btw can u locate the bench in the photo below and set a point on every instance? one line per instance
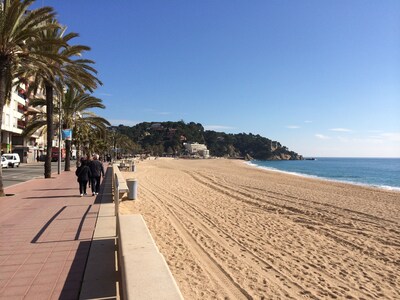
(126, 165)
(144, 271)
(119, 182)
(119, 185)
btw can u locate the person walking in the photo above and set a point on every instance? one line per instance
(97, 169)
(84, 174)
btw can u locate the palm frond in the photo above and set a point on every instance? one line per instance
(34, 126)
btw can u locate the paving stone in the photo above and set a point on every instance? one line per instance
(46, 232)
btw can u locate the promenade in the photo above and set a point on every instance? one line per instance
(46, 232)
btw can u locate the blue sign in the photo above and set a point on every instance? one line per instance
(66, 134)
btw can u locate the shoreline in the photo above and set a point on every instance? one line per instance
(227, 229)
(366, 185)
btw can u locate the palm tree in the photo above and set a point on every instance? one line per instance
(76, 116)
(87, 139)
(74, 106)
(19, 36)
(120, 143)
(66, 70)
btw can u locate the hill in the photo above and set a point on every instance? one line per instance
(169, 137)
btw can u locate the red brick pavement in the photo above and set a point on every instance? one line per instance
(45, 234)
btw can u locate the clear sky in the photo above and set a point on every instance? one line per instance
(321, 77)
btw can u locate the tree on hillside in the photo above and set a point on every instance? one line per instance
(20, 35)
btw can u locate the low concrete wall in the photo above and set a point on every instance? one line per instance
(144, 272)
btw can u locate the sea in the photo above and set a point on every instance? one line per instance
(381, 173)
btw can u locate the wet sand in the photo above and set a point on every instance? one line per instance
(232, 231)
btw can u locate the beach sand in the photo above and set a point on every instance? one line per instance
(232, 231)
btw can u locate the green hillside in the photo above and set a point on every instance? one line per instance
(160, 138)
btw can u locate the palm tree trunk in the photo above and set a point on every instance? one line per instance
(50, 129)
(3, 72)
(67, 155)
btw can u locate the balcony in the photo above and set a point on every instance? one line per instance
(21, 124)
(21, 108)
(22, 93)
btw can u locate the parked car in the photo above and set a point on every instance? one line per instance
(4, 162)
(12, 158)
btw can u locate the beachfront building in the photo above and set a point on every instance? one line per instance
(15, 116)
(197, 149)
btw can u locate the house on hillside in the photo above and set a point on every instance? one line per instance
(197, 149)
(157, 126)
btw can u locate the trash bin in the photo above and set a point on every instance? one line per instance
(132, 186)
(133, 167)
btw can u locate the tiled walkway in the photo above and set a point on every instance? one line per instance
(45, 235)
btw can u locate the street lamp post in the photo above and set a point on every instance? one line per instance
(59, 136)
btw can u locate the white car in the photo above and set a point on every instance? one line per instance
(4, 162)
(12, 158)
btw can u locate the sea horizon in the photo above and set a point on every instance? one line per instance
(374, 157)
(376, 172)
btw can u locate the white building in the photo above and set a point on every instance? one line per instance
(197, 149)
(14, 121)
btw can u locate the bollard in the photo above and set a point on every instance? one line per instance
(133, 167)
(132, 186)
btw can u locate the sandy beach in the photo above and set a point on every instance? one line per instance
(232, 231)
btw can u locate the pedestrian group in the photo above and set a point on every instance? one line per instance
(90, 171)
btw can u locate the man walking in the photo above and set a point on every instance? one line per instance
(97, 170)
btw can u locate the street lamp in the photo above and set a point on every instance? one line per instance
(114, 140)
(59, 135)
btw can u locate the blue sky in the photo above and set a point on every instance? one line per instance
(321, 77)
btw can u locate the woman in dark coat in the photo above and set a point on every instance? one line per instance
(83, 172)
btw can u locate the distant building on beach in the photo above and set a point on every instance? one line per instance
(197, 149)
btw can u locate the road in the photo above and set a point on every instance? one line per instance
(27, 172)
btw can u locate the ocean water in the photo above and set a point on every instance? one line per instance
(376, 172)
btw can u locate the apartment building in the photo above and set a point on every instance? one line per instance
(15, 116)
